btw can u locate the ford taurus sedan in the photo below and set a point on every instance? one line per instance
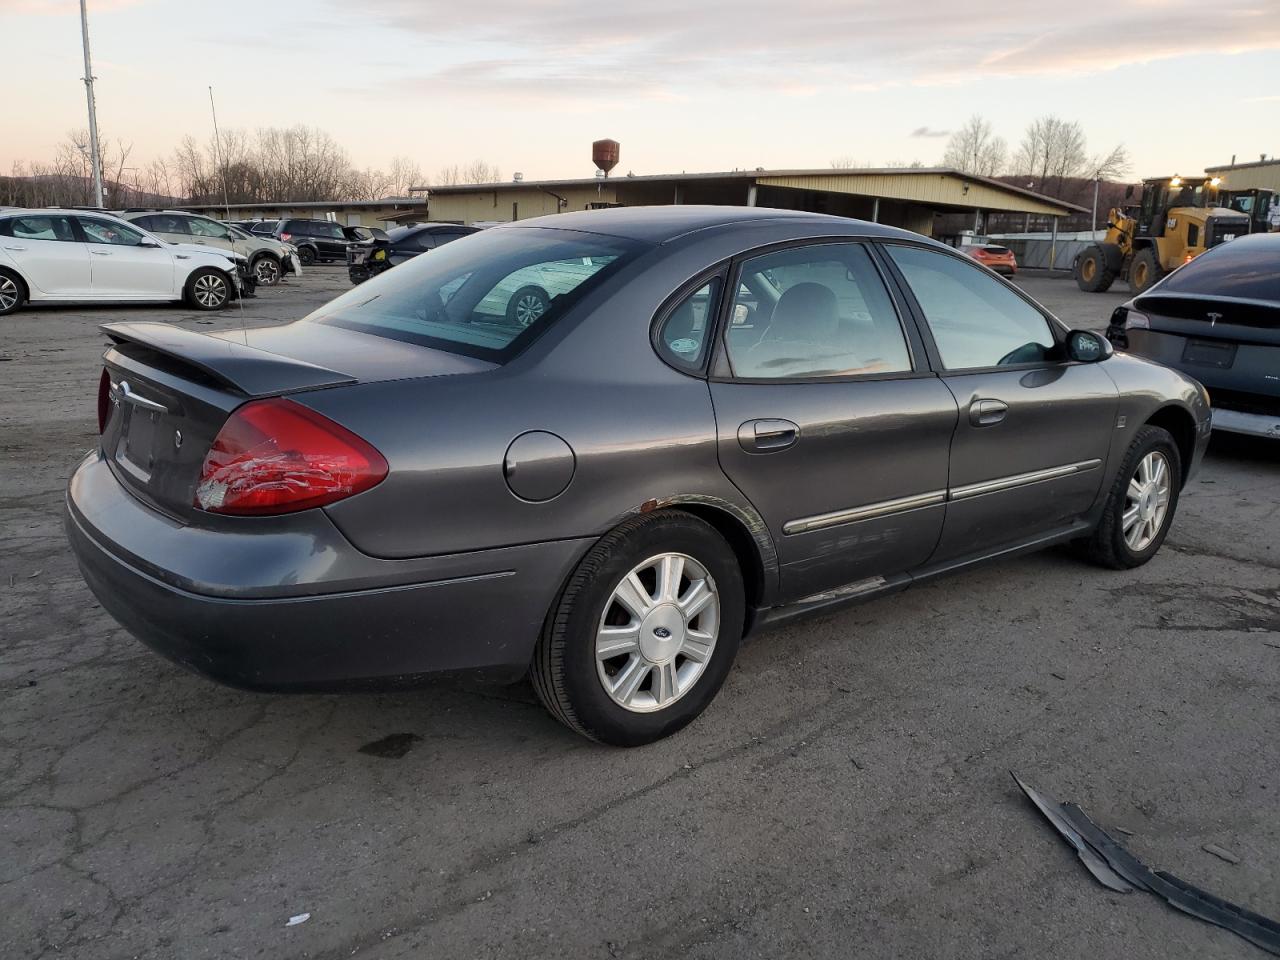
(724, 418)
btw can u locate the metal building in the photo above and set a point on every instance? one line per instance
(906, 197)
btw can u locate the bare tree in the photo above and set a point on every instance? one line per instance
(405, 175)
(846, 162)
(975, 149)
(1110, 166)
(1052, 150)
(477, 171)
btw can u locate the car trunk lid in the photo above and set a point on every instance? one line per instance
(170, 390)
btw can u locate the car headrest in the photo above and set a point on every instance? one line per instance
(807, 311)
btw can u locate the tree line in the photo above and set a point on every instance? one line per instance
(272, 164)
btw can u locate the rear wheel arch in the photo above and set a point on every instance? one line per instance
(746, 547)
(1182, 427)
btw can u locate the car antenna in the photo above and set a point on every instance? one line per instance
(226, 203)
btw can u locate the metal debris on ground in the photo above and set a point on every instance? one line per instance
(300, 918)
(1222, 853)
(1118, 864)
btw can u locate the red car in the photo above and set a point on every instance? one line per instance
(999, 259)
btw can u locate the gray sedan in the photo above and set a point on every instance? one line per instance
(724, 418)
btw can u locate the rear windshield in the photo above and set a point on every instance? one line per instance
(1248, 268)
(488, 295)
(996, 249)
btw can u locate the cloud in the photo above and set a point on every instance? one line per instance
(929, 132)
(590, 52)
(60, 8)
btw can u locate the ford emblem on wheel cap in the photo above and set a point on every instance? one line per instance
(662, 633)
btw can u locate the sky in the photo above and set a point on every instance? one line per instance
(684, 85)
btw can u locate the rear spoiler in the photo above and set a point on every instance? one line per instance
(254, 372)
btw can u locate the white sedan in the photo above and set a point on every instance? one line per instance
(76, 255)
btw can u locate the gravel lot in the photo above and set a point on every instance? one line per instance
(847, 794)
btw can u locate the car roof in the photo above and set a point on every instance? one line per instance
(59, 212)
(660, 224)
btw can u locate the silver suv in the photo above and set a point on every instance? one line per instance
(269, 259)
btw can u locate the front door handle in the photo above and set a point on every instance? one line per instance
(15, 248)
(101, 253)
(767, 436)
(985, 413)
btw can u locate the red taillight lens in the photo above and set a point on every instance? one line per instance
(277, 456)
(104, 400)
(286, 237)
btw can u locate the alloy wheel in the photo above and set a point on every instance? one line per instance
(657, 633)
(529, 308)
(1147, 501)
(8, 293)
(210, 291)
(267, 272)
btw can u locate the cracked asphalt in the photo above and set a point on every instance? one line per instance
(846, 794)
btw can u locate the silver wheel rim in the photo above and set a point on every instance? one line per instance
(529, 308)
(267, 272)
(657, 633)
(210, 291)
(1146, 501)
(8, 293)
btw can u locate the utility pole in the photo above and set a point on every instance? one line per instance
(93, 109)
(1093, 224)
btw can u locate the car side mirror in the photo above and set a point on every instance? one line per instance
(1085, 346)
(1128, 191)
(147, 242)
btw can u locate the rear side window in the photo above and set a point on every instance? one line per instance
(686, 332)
(42, 228)
(976, 321)
(163, 223)
(487, 299)
(1248, 268)
(814, 311)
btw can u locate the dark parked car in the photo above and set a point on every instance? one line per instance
(1217, 319)
(264, 228)
(724, 419)
(398, 245)
(316, 240)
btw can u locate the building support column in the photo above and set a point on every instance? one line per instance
(977, 222)
(875, 210)
(677, 195)
(751, 195)
(1053, 243)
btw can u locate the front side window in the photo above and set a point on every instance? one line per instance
(814, 311)
(208, 228)
(107, 231)
(976, 320)
(485, 299)
(686, 332)
(42, 228)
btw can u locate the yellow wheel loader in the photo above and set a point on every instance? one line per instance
(1177, 220)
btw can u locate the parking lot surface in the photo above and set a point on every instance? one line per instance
(847, 794)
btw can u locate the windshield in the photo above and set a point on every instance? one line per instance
(1248, 268)
(487, 295)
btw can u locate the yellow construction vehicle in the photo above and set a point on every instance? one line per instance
(1176, 221)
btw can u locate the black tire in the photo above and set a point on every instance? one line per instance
(1144, 271)
(208, 288)
(1091, 270)
(527, 304)
(1107, 545)
(564, 670)
(307, 255)
(13, 292)
(267, 270)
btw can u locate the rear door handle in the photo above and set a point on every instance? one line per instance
(767, 436)
(985, 413)
(15, 248)
(101, 253)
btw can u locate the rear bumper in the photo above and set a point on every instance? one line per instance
(293, 606)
